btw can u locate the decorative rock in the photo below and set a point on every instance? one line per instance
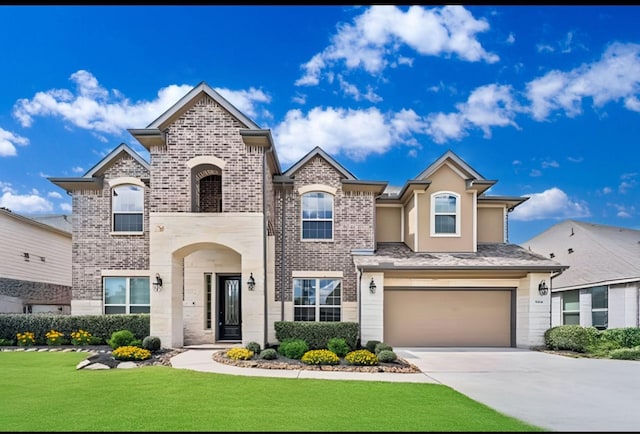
(96, 366)
(83, 363)
(127, 365)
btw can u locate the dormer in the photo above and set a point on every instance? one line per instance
(444, 209)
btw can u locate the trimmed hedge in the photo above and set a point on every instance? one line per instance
(317, 334)
(101, 326)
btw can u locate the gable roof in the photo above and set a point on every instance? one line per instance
(449, 156)
(61, 225)
(92, 179)
(596, 254)
(317, 151)
(152, 135)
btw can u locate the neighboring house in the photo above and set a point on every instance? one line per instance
(217, 242)
(601, 288)
(35, 263)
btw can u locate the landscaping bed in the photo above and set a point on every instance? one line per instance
(400, 366)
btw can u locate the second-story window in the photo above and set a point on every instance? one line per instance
(127, 208)
(445, 214)
(317, 216)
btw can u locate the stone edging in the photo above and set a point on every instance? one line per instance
(401, 366)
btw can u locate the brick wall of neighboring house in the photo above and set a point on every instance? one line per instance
(206, 129)
(94, 248)
(35, 292)
(353, 229)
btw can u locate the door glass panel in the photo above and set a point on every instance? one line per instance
(231, 298)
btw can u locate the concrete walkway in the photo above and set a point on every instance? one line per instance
(201, 360)
(550, 391)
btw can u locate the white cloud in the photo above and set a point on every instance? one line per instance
(487, 106)
(575, 159)
(94, 108)
(552, 163)
(77, 169)
(552, 203)
(66, 207)
(511, 39)
(8, 142)
(616, 76)
(26, 203)
(54, 194)
(628, 182)
(535, 173)
(353, 133)
(374, 39)
(245, 100)
(606, 190)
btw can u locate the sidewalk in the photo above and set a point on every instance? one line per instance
(201, 360)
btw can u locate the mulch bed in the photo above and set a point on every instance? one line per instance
(400, 366)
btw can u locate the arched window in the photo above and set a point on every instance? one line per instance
(206, 188)
(317, 216)
(127, 207)
(445, 214)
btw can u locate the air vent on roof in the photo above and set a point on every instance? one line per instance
(552, 255)
(570, 250)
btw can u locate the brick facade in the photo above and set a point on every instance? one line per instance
(353, 220)
(93, 245)
(206, 129)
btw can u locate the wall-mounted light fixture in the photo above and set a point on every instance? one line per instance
(543, 288)
(251, 283)
(372, 286)
(157, 285)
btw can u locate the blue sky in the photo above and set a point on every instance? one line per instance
(543, 99)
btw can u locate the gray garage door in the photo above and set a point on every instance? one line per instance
(451, 318)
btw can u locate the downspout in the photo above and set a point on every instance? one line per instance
(264, 239)
(359, 293)
(282, 255)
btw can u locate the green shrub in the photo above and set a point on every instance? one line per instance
(151, 343)
(121, 338)
(294, 348)
(317, 334)
(387, 356)
(625, 354)
(240, 354)
(626, 337)
(100, 326)
(571, 337)
(320, 357)
(6, 342)
(382, 347)
(269, 354)
(128, 352)
(254, 346)
(371, 345)
(339, 346)
(361, 358)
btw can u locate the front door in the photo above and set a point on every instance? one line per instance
(229, 318)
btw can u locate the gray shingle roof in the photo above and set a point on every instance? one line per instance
(490, 256)
(600, 254)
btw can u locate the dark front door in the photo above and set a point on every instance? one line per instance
(229, 318)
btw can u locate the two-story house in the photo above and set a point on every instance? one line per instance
(35, 263)
(217, 242)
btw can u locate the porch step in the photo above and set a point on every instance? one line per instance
(213, 346)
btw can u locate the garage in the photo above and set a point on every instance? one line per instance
(448, 318)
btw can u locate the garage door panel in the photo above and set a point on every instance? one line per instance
(447, 318)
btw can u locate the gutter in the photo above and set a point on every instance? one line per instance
(264, 240)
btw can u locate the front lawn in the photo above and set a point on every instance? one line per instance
(42, 391)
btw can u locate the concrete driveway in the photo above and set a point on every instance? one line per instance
(555, 392)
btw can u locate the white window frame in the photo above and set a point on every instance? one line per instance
(564, 293)
(318, 298)
(603, 309)
(140, 212)
(127, 304)
(433, 214)
(302, 219)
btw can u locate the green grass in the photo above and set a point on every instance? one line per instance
(42, 391)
